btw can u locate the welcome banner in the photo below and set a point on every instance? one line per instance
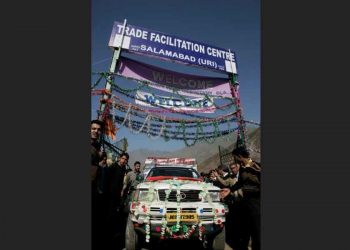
(203, 105)
(197, 85)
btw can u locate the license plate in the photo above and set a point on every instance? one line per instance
(188, 217)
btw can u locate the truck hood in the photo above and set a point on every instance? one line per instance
(183, 184)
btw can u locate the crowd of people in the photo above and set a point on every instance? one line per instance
(112, 185)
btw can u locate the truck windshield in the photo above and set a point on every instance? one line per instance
(173, 171)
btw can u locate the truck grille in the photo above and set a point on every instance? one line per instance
(155, 209)
(186, 195)
(183, 210)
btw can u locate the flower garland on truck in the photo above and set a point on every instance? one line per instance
(175, 184)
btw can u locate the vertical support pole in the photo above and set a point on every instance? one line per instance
(241, 136)
(104, 107)
(241, 139)
(105, 101)
(220, 156)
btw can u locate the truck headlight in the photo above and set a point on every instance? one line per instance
(213, 197)
(146, 196)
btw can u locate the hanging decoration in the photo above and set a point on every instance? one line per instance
(138, 127)
(123, 106)
(120, 119)
(150, 125)
(110, 128)
(147, 86)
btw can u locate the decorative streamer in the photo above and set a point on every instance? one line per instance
(155, 128)
(184, 137)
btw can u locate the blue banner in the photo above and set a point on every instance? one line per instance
(156, 44)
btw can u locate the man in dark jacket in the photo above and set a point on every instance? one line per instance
(249, 183)
(115, 186)
(96, 130)
(116, 179)
(96, 219)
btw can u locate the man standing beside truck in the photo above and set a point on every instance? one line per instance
(249, 183)
(132, 179)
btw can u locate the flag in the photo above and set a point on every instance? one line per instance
(110, 128)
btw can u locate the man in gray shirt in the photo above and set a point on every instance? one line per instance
(131, 180)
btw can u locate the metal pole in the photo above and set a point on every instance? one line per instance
(220, 155)
(104, 108)
(235, 93)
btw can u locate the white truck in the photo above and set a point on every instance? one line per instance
(175, 203)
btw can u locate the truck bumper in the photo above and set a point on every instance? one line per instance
(210, 230)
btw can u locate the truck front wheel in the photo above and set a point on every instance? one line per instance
(218, 243)
(131, 237)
